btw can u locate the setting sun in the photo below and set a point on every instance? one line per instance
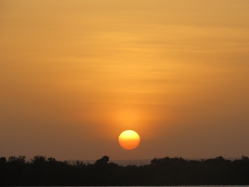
(129, 139)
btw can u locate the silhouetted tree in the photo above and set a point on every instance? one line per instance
(3, 160)
(161, 171)
(102, 161)
(39, 160)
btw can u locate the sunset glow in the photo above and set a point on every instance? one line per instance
(75, 74)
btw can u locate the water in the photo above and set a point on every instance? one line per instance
(172, 186)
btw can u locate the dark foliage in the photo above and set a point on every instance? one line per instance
(161, 171)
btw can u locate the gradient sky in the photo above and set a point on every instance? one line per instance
(75, 74)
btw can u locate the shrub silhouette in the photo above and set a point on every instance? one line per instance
(161, 171)
(102, 162)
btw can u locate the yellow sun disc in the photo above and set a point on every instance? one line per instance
(129, 139)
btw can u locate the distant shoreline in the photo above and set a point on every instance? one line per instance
(42, 171)
(140, 162)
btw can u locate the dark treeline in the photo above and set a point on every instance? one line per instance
(161, 171)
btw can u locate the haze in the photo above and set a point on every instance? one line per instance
(75, 74)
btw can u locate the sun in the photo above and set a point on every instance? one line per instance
(129, 139)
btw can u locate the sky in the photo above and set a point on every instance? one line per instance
(75, 74)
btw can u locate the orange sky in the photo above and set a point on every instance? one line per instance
(75, 74)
